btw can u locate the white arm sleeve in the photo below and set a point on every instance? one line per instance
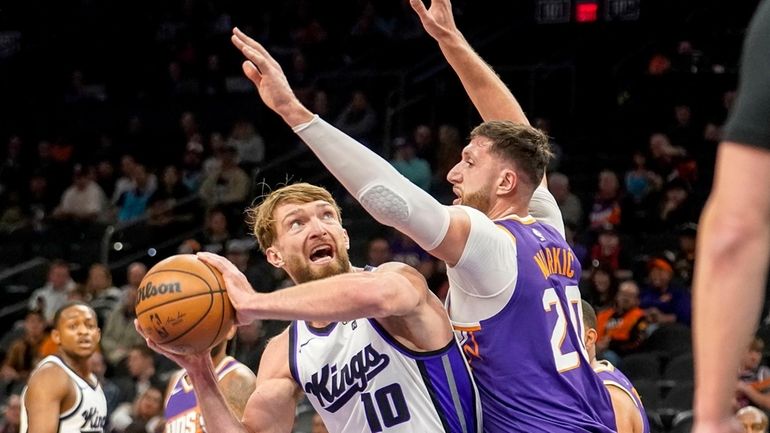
(483, 280)
(544, 208)
(387, 195)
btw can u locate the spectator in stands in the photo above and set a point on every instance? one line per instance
(119, 334)
(424, 144)
(11, 414)
(248, 143)
(227, 186)
(752, 420)
(38, 202)
(142, 415)
(569, 203)
(132, 204)
(406, 162)
(217, 144)
(104, 297)
(754, 377)
(358, 119)
(165, 209)
(640, 184)
(684, 258)
(111, 391)
(192, 163)
(665, 156)
(105, 176)
(24, 352)
(250, 342)
(378, 251)
(602, 287)
(214, 236)
(258, 272)
(608, 252)
(448, 151)
(83, 201)
(142, 373)
(127, 181)
(664, 302)
(606, 206)
(675, 207)
(622, 328)
(53, 294)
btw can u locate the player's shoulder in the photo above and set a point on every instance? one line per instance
(49, 378)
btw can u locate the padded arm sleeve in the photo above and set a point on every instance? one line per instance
(387, 195)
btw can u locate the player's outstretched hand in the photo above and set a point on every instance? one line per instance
(239, 289)
(273, 87)
(437, 20)
(188, 362)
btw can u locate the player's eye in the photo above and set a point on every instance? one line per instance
(295, 225)
(328, 215)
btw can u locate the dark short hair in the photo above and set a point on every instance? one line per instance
(66, 306)
(589, 315)
(525, 146)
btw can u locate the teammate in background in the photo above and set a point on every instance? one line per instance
(63, 395)
(513, 280)
(236, 381)
(752, 420)
(630, 415)
(733, 247)
(371, 350)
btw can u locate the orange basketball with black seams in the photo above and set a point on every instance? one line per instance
(182, 305)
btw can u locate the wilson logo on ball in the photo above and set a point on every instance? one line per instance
(151, 290)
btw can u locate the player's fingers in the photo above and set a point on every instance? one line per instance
(251, 43)
(139, 329)
(419, 7)
(252, 72)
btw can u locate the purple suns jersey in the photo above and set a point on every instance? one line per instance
(360, 379)
(181, 410)
(611, 376)
(528, 359)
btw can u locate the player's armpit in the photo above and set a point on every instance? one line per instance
(627, 416)
(237, 386)
(49, 390)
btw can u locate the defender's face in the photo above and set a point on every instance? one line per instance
(77, 332)
(310, 243)
(473, 178)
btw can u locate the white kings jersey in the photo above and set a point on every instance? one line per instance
(361, 379)
(87, 415)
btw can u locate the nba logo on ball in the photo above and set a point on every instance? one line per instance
(182, 305)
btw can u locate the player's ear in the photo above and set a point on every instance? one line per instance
(55, 336)
(231, 333)
(590, 337)
(347, 239)
(274, 257)
(507, 181)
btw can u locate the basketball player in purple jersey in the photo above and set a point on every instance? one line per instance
(513, 293)
(630, 415)
(236, 381)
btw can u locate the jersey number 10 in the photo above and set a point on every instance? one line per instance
(569, 360)
(391, 406)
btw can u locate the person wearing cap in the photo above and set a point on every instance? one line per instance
(752, 420)
(664, 302)
(406, 162)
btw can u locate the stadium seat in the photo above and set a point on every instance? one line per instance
(679, 369)
(642, 366)
(682, 422)
(671, 340)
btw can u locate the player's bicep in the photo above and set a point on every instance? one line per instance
(627, 416)
(45, 393)
(271, 407)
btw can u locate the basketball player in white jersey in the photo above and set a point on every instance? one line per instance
(63, 395)
(236, 381)
(373, 350)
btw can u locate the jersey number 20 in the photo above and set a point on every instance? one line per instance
(569, 360)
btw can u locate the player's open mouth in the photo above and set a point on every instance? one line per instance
(322, 254)
(459, 195)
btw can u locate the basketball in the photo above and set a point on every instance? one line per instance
(182, 305)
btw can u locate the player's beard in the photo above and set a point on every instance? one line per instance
(478, 200)
(303, 273)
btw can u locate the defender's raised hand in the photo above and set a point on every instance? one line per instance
(438, 20)
(272, 85)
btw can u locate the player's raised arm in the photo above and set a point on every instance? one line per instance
(489, 94)
(387, 195)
